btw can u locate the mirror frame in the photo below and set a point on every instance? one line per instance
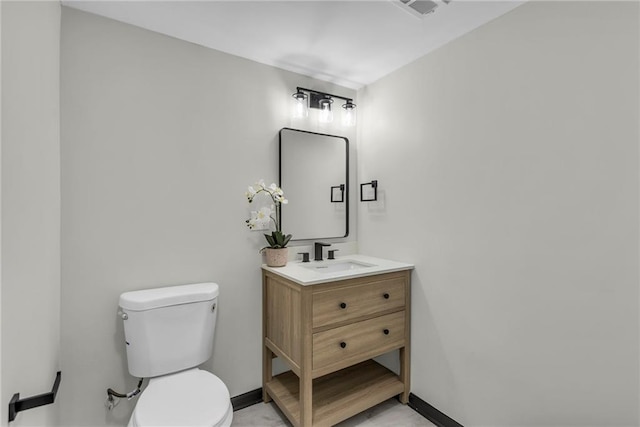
(348, 197)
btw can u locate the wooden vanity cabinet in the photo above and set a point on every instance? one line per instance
(327, 334)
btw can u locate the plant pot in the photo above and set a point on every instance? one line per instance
(277, 257)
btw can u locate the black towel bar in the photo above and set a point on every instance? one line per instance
(374, 187)
(17, 405)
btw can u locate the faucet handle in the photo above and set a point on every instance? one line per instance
(305, 256)
(332, 253)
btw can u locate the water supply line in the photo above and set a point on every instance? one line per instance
(113, 397)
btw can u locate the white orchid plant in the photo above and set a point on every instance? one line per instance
(277, 239)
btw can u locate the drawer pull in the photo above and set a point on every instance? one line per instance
(343, 305)
(343, 344)
(386, 332)
(386, 296)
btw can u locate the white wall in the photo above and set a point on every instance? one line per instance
(30, 205)
(160, 139)
(508, 163)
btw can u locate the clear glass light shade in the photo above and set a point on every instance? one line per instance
(349, 115)
(325, 115)
(299, 108)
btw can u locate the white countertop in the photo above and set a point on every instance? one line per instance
(303, 273)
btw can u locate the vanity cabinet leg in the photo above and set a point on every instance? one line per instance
(404, 374)
(405, 352)
(267, 355)
(306, 401)
(267, 372)
(306, 351)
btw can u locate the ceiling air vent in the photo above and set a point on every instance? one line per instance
(419, 8)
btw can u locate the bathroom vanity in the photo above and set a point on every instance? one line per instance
(327, 321)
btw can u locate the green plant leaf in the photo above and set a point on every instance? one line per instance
(270, 240)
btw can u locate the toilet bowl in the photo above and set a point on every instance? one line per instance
(190, 398)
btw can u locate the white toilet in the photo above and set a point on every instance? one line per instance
(169, 332)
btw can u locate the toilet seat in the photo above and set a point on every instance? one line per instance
(189, 398)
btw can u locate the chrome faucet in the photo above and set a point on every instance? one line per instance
(318, 250)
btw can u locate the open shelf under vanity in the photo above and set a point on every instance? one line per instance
(338, 395)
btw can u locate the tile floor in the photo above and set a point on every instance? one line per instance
(387, 414)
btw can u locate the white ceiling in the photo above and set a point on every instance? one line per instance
(350, 43)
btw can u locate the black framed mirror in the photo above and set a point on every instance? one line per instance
(314, 175)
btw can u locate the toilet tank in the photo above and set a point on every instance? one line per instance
(169, 329)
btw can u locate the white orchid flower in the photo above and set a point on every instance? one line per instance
(261, 219)
(263, 215)
(250, 194)
(279, 198)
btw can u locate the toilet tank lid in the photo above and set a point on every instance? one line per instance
(148, 299)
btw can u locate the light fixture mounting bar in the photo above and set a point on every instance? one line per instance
(315, 96)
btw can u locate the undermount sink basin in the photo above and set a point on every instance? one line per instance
(334, 267)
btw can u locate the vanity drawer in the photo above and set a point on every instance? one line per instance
(342, 304)
(358, 341)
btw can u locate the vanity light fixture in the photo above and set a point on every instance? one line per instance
(309, 98)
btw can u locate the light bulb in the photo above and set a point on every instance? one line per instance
(300, 109)
(326, 115)
(349, 116)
